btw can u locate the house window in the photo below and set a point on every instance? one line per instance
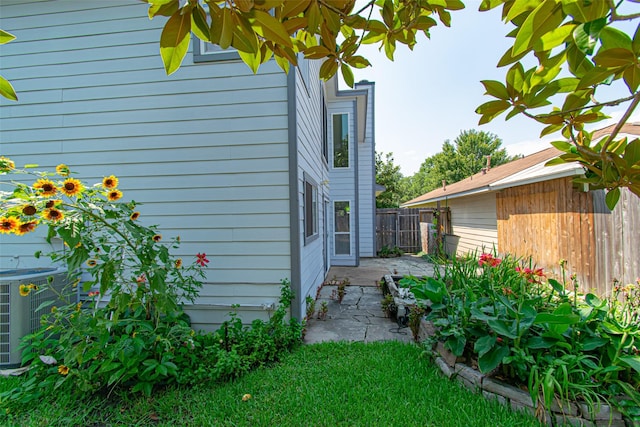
(325, 143)
(207, 52)
(310, 211)
(342, 228)
(340, 140)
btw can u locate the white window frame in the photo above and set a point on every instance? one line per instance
(336, 232)
(333, 145)
(311, 213)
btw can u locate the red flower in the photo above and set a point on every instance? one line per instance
(202, 260)
(488, 259)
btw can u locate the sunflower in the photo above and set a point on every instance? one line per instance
(63, 369)
(53, 214)
(8, 224)
(157, 237)
(29, 210)
(24, 290)
(6, 165)
(114, 195)
(92, 262)
(134, 216)
(110, 182)
(62, 170)
(47, 187)
(179, 263)
(72, 187)
(52, 203)
(26, 227)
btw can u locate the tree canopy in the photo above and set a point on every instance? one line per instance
(562, 52)
(466, 156)
(388, 175)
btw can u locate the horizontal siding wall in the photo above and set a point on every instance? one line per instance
(366, 180)
(473, 218)
(205, 150)
(311, 164)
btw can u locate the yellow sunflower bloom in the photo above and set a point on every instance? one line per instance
(72, 187)
(92, 262)
(157, 237)
(29, 210)
(62, 170)
(8, 224)
(6, 165)
(25, 227)
(24, 290)
(53, 214)
(114, 195)
(63, 369)
(47, 187)
(134, 216)
(110, 182)
(179, 263)
(52, 203)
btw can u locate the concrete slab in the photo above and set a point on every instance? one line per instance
(360, 317)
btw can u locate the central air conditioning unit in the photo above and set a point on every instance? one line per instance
(19, 315)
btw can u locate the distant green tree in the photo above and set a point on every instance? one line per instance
(466, 156)
(389, 175)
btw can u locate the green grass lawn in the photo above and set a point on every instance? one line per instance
(330, 384)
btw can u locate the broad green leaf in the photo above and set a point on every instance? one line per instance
(316, 52)
(578, 62)
(591, 343)
(596, 76)
(174, 40)
(586, 35)
(493, 358)
(358, 61)
(554, 38)
(6, 89)
(611, 38)
(347, 74)
(294, 8)
(545, 18)
(251, 59)
(496, 89)
(315, 17)
(612, 197)
(632, 361)
(328, 69)
(593, 301)
(537, 342)
(636, 40)
(226, 33)
(244, 38)
(270, 28)
(501, 328)
(519, 7)
(515, 78)
(389, 47)
(484, 344)
(456, 344)
(6, 37)
(631, 77)
(632, 153)
(549, 130)
(616, 57)
(199, 24)
(163, 8)
(585, 11)
(562, 145)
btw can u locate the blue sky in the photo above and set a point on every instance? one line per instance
(429, 95)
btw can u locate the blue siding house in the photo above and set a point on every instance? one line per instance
(271, 175)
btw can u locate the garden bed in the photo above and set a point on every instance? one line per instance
(464, 368)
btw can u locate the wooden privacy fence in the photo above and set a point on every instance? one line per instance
(412, 230)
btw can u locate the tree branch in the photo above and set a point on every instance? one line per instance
(621, 122)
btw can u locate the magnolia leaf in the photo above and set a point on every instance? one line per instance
(316, 52)
(331, 19)
(586, 35)
(496, 89)
(586, 11)
(282, 62)
(244, 5)
(632, 153)
(294, 8)
(636, 41)
(6, 37)
(562, 145)
(616, 57)
(546, 17)
(270, 28)
(347, 74)
(389, 47)
(358, 61)
(578, 62)
(515, 77)
(596, 76)
(520, 7)
(508, 58)
(631, 77)
(6, 90)
(554, 38)
(226, 33)
(493, 107)
(244, 38)
(315, 17)
(611, 38)
(328, 69)
(328, 38)
(163, 8)
(612, 197)
(551, 129)
(174, 40)
(199, 24)
(251, 59)
(556, 161)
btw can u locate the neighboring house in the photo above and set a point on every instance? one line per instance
(271, 175)
(527, 209)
